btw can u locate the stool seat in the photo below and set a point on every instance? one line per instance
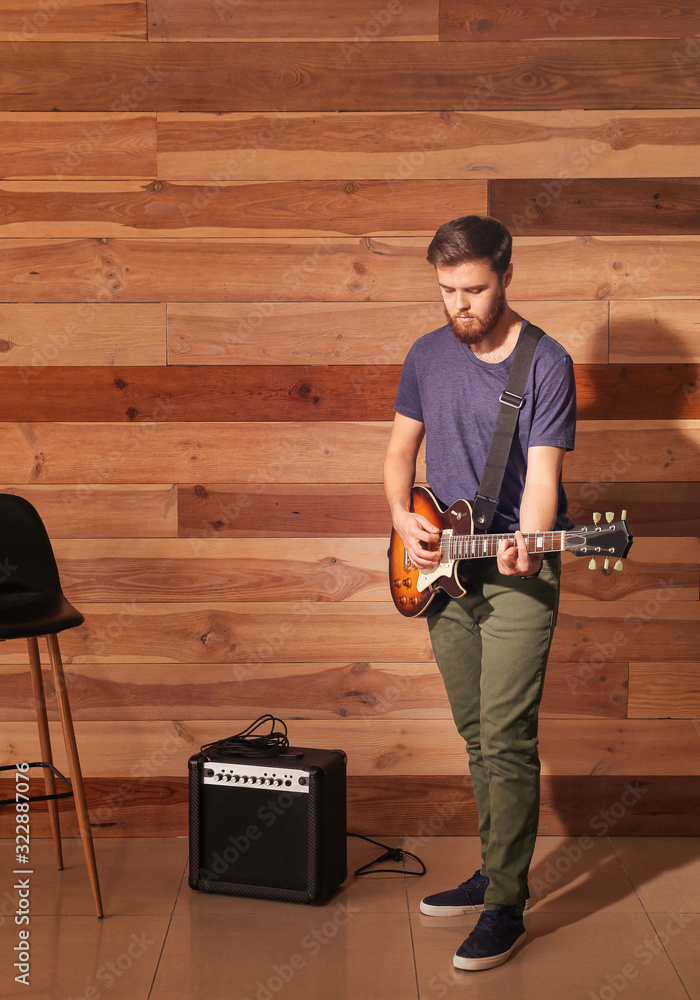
(34, 614)
(32, 604)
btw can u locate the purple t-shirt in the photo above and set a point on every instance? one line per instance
(445, 386)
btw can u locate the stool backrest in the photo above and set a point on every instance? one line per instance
(27, 562)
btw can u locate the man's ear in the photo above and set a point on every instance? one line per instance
(508, 276)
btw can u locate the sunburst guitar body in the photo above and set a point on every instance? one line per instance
(414, 589)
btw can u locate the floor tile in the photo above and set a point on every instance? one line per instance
(665, 871)
(334, 951)
(579, 874)
(597, 957)
(678, 932)
(83, 958)
(137, 875)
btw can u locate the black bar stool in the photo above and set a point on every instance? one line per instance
(32, 605)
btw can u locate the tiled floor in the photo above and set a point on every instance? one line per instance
(610, 917)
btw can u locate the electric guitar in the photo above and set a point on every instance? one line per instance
(413, 589)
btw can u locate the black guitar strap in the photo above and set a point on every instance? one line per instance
(511, 400)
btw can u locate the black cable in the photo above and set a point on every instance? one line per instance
(391, 854)
(247, 744)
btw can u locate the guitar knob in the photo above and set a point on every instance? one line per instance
(407, 582)
(413, 601)
(397, 583)
(403, 599)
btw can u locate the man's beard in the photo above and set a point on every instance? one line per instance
(478, 329)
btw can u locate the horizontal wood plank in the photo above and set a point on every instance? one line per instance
(476, 21)
(85, 510)
(231, 510)
(62, 144)
(314, 76)
(354, 690)
(610, 207)
(670, 509)
(244, 635)
(407, 746)
(412, 144)
(360, 23)
(23, 21)
(289, 392)
(235, 510)
(415, 807)
(336, 333)
(319, 569)
(652, 331)
(37, 336)
(570, 805)
(51, 209)
(303, 453)
(332, 269)
(665, 691)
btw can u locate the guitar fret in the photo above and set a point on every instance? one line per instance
(483, 546)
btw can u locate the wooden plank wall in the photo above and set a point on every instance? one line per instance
(213, 221)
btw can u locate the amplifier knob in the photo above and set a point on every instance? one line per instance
(227, 777)
(217, 777)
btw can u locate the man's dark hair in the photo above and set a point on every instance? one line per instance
(473, 237)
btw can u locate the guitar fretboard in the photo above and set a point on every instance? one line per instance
(454, 547)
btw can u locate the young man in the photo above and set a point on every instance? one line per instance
(491, 645)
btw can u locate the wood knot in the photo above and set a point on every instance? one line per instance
(201, 492)
(120, 383)
(5, 346)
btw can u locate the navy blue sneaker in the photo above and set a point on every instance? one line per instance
(466, 898)
(494, 939)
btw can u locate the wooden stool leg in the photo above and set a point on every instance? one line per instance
(42, 722)
(74, 765)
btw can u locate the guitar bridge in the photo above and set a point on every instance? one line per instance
(445, 549)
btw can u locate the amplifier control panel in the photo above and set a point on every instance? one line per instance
(260, 776)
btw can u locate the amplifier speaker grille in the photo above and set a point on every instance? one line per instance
(272, 827)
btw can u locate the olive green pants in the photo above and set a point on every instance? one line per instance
(491, 647)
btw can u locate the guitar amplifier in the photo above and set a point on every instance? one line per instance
(272, 827)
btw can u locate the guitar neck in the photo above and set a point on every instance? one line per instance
(482, 546)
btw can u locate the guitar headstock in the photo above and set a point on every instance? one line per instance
(609, 539)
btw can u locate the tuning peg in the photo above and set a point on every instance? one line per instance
(606, 564)
(618, 565)
(592, 564)
(609, 516)
(596, 517)
(624, 515)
